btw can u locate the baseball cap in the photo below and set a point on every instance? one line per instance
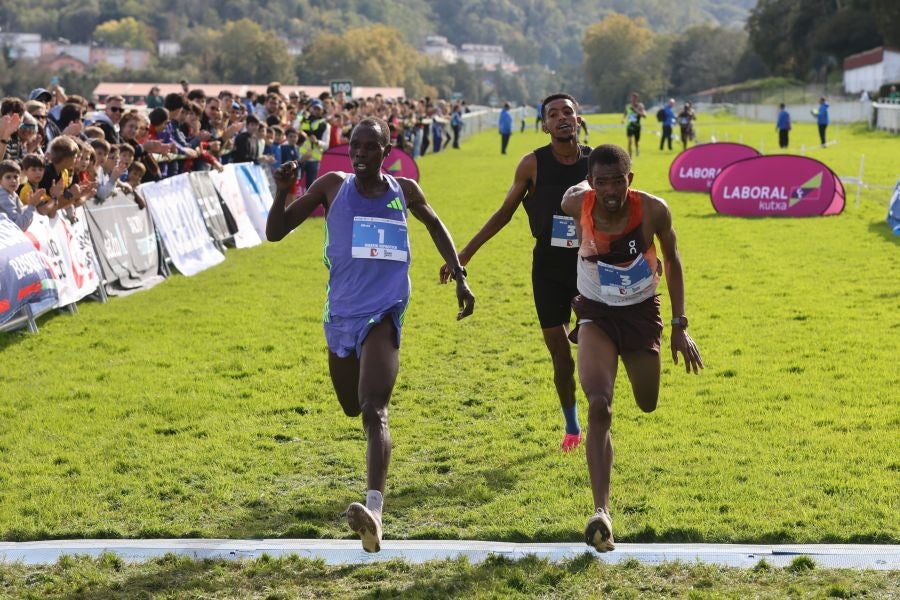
(316, 104)
(38, 93)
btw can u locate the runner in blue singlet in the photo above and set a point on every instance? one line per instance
(367, 254)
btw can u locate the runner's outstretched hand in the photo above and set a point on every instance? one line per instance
(465, 297)
(682, 342)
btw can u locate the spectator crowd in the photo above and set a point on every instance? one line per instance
(60, 150)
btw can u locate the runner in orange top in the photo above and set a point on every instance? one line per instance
(618, 309)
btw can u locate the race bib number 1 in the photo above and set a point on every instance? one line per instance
(563, 233)
(379, 239)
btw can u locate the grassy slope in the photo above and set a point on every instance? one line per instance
(203, 407)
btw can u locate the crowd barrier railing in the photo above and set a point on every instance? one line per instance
(115, 248)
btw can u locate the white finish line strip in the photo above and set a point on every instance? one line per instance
(335, 552)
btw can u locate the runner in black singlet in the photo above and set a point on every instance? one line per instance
(541, 179)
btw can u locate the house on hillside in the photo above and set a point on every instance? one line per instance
(871, 69)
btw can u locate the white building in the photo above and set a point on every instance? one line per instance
(438, 47)
(166, 48)
(871, 69)
(22, 45)
(487, 56)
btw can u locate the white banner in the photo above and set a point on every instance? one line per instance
(180, 224)
(229, 188)
(68, 250)
(257, 197)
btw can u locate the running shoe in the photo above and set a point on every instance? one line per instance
(366, 524)
(571, 441)
(598, 531)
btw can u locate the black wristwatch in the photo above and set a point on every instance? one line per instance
(681, 321)
(455, 273)
(67, 194)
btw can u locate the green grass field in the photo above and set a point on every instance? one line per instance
(203, 407)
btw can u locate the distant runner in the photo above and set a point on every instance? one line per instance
(634, 112)
(367, 255)
(618, 309)
(541, 179)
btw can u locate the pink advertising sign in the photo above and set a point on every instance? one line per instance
(694, 169)
(398, 163)
(779, 185)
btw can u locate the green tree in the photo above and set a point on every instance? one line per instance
(244, 53)
(622, 55)
(705, 56)
(370, 56)
(124, 33)
(888, 12)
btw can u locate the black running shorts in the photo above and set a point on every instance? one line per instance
(554, 285)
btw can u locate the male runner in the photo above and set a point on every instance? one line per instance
(634, 112)
(618, 308)
(367, 255)
(541, 179)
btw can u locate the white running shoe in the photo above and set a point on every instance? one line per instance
(598, 531)
(366, 524)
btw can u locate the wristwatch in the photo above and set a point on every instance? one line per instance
(67, 194)
(681, 321)
(457, 272)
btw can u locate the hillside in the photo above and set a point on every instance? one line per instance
(545, 32)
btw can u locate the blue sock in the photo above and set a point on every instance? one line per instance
(571, 415)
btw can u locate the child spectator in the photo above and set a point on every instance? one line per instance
(58, 182)
(126, 157)
(106, 178)
(33, 169)
(290, 149)
(20, 213)
(135, 175)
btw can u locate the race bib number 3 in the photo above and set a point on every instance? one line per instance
(379, 239)
(625, 281)
(563, 233)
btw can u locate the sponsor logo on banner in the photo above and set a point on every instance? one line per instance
(694, 169)
(398, 163)
(778, 185)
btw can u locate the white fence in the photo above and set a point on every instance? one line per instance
(887, 116)
(839, 112)
(483, 118)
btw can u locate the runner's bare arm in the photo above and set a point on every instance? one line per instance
(419, 207)
(284, 218)
(523, 182)
(680, 340)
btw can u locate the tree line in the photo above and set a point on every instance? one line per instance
(586, 47)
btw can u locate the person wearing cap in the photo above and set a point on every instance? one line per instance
(41, 95)
(318, 132)
(153, 99)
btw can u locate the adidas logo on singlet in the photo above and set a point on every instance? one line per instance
(395, 204)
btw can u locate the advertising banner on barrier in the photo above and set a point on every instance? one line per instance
(211, 206)
(67, 247)
(779, 185)
(180, 224)
(893, 216)
(25, 275)
(398, 163)
(126, 243)
(694, 169)
(255, 190)
(227, 185)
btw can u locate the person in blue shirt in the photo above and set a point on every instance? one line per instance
(822, 119)
(783, 125)
(505, 127)
(667, 123)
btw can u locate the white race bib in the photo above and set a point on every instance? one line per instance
(563, 232)
(379, 239)
(626, 285)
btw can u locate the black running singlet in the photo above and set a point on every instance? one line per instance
(543, 203)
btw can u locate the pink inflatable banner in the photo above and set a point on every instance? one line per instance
(694, 169)
(398, 163)
(779, 185)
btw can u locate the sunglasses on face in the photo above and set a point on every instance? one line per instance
(39, 116)
(115, 109)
